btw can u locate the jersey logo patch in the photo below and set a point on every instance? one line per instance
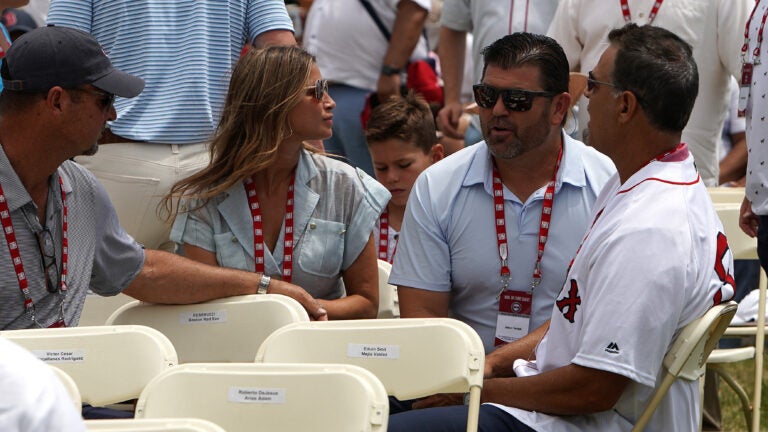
(568, 305)
(612, 348)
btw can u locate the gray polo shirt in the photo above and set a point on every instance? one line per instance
(102, 256)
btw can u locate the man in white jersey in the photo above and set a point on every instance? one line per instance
(653, 260)
(184, 50)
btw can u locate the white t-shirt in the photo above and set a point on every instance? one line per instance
(715, 30)
(348, 45)
(647, 267)
(31, 396)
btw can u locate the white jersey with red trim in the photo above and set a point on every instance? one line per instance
(654, 259)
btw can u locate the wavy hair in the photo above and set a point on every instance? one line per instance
(266, 84)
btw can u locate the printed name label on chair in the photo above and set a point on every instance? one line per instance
(256, 395)
(391, 352)
(60, 356)
(202, 317)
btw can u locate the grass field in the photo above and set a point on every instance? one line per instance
(733, 417)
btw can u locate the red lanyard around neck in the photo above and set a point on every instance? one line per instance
(501, 224)
(384, 238)
(745, 46)
(13, 248)
(258, 229)
(651, 16)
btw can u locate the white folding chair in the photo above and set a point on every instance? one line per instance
(109, 364)
(153, 425)
(274, 397)
(743, 247)
(224, 330)
(389, 306)
(413, 357)
(688, 354)
(69, 386)
(97, 309)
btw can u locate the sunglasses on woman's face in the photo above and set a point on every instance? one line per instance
(318, 90)
(513, 99)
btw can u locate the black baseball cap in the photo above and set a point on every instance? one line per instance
(17, 21)
(60, 56)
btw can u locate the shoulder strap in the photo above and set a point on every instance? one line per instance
(375, 17)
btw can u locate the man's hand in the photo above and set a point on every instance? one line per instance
(448, 120)
(315, 311)
(748, 221)
(388, 86)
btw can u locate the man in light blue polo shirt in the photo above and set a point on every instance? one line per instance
(184, 50)
(463, 254)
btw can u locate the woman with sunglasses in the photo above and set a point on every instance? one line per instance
(270, 203)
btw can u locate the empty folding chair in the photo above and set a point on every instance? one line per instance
(275, 397)
(224, 330)
(109, 364)
(413, 357)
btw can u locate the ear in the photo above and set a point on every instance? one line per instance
(437, 152)
(559, 108)
(56, 98)
(628, 106)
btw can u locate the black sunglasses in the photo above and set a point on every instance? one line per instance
(107, 99)
(51, 270)
(318, 90)
(513, 99)
(592, 82)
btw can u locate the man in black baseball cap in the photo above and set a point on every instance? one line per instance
(59, 56)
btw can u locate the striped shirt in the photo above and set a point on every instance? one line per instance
(184, 50)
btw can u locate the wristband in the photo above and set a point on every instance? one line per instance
(263, 284)
(390, 70)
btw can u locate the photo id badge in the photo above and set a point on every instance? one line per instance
(744, 87)
(514, 316)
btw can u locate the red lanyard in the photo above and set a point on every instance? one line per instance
(258, 233)
(501, 224)
(13, 248)
(384, 238)
(745, 46)
(628, 16)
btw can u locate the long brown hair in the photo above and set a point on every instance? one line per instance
(266, 85)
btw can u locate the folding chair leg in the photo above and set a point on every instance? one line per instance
(746, 404)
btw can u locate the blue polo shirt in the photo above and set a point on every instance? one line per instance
(448, 236)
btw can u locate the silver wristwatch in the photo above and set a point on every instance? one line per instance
(263, 284)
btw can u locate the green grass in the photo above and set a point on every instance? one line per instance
(744, 373)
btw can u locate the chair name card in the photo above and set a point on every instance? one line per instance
(202, 317)
(389, 352)
(256, 395)
(60, 356)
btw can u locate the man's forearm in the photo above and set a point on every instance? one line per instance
(452, 49)
(168, 278)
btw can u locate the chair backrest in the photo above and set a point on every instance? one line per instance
(153, 425)
(224, 330)
(413, 357)
(109, 364)
(389, 306)
(69, 386)
(96, 308)
(687, 357)
(726, 195)
(270, 397)
(742, 245)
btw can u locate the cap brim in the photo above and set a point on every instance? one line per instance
(120, 83)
